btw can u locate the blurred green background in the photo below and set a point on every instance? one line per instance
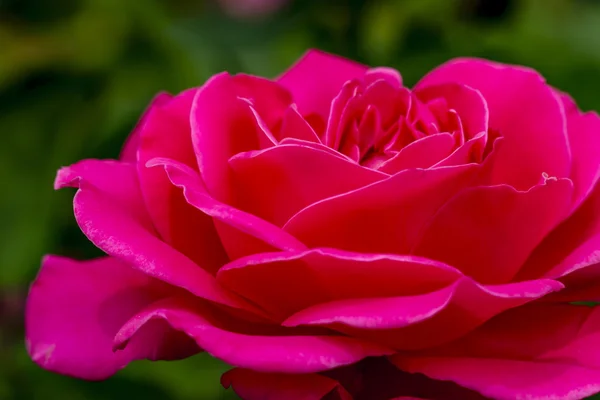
(76, 74)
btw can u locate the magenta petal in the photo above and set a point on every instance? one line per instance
(489, 232)
(317, 78)
(130, 148)
(74, 309)
(552, 354)
(224, 122)
(110, 212)
(468, 103)
(390, 75)
(422, 153)
(421, 321)
(285, 283)
(285, 354)
(316, 146)
(384, 217)
(278, 182)
(525, 111)
(511, 379)
(565, 240)
(166, 133)
(294, 126)
(252, 385)
(242, 222)
(584, 135)
(268, 98)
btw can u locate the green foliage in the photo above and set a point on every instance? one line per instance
(76, 74)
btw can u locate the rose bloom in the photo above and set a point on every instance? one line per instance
(333, 234)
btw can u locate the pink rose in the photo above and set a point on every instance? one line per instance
(333, 233)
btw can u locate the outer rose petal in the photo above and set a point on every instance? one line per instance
(165, 131)
(552, 354)
(74, 310)
(252, 385)
(285, 283)
(241, 233)
(111, 213)
(526, 112)
(285, 354)
(584, 136)
(549, 258)
(317, 78)
(417, 322)
(488, 232)
(278, 182)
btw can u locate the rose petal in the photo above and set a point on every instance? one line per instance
(166, 132)
(584, 134)
(526, 112)
(74, 309)
(566, 239)
(284, 354)
(285, 283)
(468, 103)
(317, 78)
(110, 212)
(277, 182)
(250, 385)
(488, 232)
(224, 122)
(246, 233)
(294, 126)
(471, 151)
(390, 75)
(425, 320)
(384, 217)
(552, 354)
(422, 153)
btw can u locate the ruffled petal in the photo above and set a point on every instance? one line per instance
(422, 153)
(165, 132)
(285, 283)
(317, 78)
(294, 126)
(425, 320)
(384, 217)
(552, 353)
(252, 385)
(468, 103)
(278, 182)
(526, 112)
(568, 238)
(270, 353)
(75, 308)
(110, 211)
(232, 114)
(489, 232)
(584, 135)
(241, 233)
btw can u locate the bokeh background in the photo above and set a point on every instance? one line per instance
(76, 74)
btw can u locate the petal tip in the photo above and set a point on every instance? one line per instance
(66, 177)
